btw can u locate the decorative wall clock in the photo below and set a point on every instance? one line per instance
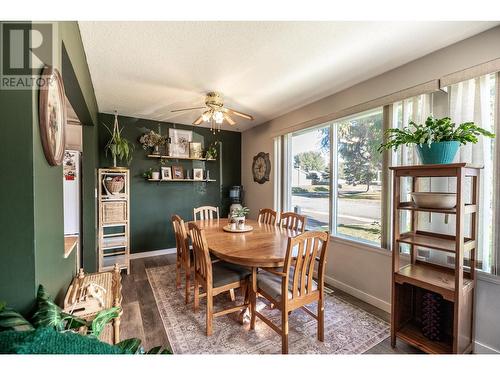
(52, 115)
(261, 167)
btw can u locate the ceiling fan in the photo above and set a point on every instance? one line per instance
(215, 112)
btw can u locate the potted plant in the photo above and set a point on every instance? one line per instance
(238, 215)
(437, 140)
(152, 140)
(211, 151)
(119, 146)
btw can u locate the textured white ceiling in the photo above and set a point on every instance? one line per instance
(147, 69)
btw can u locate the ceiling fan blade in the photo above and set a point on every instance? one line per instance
(229, 120)
(241, 114)
(198, 121)
(186, 109)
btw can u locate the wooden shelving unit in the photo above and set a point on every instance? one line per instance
(410, 280)
(114, 222)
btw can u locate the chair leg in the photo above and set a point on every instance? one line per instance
(321, 320)
(231, 295)
(188, 285)
(284, 331)
(178, 273)
(253, 298)
(210, 311)
(196, 295)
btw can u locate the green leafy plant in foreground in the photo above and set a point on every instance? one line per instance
(433, 131)
(48, 314)
(119, 146)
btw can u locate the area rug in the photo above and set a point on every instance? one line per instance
(348, 329)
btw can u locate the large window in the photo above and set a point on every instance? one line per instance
(345, 199)
(357, 211)
(310, 176)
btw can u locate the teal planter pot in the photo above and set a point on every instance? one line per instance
(438, 153)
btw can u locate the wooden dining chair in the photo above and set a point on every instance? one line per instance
(267, 216)
(293, 286)
(294, 221)
(206, 213)
(183, 260)
(215, 278)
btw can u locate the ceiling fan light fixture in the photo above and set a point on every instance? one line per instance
(206, 115)
(218, 117)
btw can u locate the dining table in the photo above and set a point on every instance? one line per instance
(264, 246)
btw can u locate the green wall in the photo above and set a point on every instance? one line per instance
(31, 192)
(153, 203)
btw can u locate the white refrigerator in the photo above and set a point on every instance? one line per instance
(72, 195)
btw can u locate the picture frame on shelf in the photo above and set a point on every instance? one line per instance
(195, 150)
(166, 173)
(179, 142)
(177, 172)
(198, 174)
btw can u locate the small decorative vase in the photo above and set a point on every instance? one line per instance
(156, 150)
(155, 175)
(438, 153)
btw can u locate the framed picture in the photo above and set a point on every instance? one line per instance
(52, 115)
(197, 174)
(195, 150)
(166, 173)
(180, 140)
(177, 172)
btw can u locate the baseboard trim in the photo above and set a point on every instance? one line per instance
(154, 253)
(363, 296)
(480, 348)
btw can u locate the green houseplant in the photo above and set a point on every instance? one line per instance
(58, 331)
(437, 140)
(211, 151)
(119, 146)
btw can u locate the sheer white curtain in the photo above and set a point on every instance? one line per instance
(473, 100)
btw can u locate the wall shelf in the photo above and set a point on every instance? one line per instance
(177, 158)
(181, 180)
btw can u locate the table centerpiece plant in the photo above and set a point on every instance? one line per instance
(437, 140)
(238, 216)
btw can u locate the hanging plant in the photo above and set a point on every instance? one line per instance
(119, 146)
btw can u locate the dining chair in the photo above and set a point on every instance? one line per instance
(183, 260)
(293, 286)
(267, 216)
(294, 221)
(206, 213)
(215, 278)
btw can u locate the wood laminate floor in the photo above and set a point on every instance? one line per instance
(141, 318)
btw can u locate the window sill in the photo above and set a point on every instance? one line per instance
(360, 245)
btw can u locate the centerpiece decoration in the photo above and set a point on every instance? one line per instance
(437, 140)
(211, 151)
(237, 218)
(152, 141)
(119, 146)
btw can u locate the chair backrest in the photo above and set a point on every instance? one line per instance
(202, 262)
(267, 216)
(301, 255)
(292, 220)
(181, 237)
(206, 213)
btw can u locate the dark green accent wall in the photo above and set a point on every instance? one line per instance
(153, 203)
(17, 259)
(31, 192)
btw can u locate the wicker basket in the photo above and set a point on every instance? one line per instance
(114, 185)
(114, 212)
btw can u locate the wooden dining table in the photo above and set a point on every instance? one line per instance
(264, 246)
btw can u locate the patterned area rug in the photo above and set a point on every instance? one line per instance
(348, 329)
